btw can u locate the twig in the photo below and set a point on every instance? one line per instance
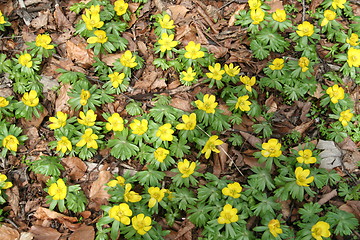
(303, 10)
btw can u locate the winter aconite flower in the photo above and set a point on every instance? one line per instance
(165, 132)
(186, 168)
(189, 122)
(304, 63)
(249, 82)
(115, 123)
(232, 190)
(274, 227)
(167, 42)
(306, 157)
(25, 60)
(166, 22)
(84, 96)
(160, 154)
(131, 196)
(335, 93)
(141, 223)
(353, 40)
(156, 195)
(10, 142)
(121, 213)
(277, 64)
(88, 139)
(43, 40)
(301, 177)
(58, 190)
(231, 70)
(215, 72)
(3, 183)
(338, 4)
(116, 79)
(100, 37)
(257, 16)
(353, 57)
(208, 104)
(254, 4)
(58, 121)
(279, 15)
(120, 7)
(305, 29)
(119, 180)
(30, 98)
(328, 16)
(63, 145)
(345, 117)
(139, 127)
(2, 18)
(87, 119)
(243, 104)
(210, 146)
(92, 18)
(189, 75)
(193, 51)
(3, 102)
(228, 215)
(271, 148)
(128, 60)
(320, 229)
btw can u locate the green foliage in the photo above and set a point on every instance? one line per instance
(46, 165)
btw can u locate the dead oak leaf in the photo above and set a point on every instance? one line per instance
(76, 166)
(98, 195)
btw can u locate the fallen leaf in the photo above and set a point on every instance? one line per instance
(275, 4)
(26, 236)
(44, 213)
(182, 104)
(84, 232)
(76, 167)
(41, 20)
(8, 233)
(351, 160)
(13, 198)
(250, 138)
(159, 83)
(109, 59)
(61, 20)
(76, 51)
(220, 160)
(35, 122)
(98, 195)
(330, 156)
(178, 12)
(304, 126)
(326, 197)
(49, 83)
(348, 144)
(44, 233)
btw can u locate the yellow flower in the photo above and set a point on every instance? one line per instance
(30, 98)
(257, 16)
(271, 148)
(301, 177)
(116, 79)
(63, 145)
(120, 7)
(193, 51)
(58, 190)
(254, 4)
(165, 132)
(141, 223)
(3, 184)
(274, 227)
(128, 60)
(232, 190)
(210, 145)
(306, 157)
(3, 102)
(156, 195)
(215, 72)
(160, 154)
(305, 29)
(335, 93)
(208, 105)
(2, 18)
(353, 57)
(115, 123)
(328, 16)
(58, 121)
(304, 63)
(88, 119)
(89, 139)
(166, 42)
(249, 82)
(10, 142)
(119, 180)
(320, 229)
(338, 4)
(121, 213)
(189, 75)
(189, 122)
(100, 37)
(139, 127)
(92, 18)
(84, 96)
(277, 64)
(25, 60)
(166, 22)
(43, 40)
(228, 215)
(279, 15)
(231, 70)
(186, 168)
(345, 117)
(243, 104)
(353, 40)
(131, 196)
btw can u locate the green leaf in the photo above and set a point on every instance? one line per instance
(343, 222)
(309, 212)
(121, 148)
(179, 148)
(150, 177)
(134, 108)
(199, 214)
(260, 52)
(76, 200)
(47, 165)
(184, 198)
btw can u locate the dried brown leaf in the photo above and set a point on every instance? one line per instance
(41, 20)
(180, 103)
(326, 197)
(250, 138)
(220, 160)
(8, 233)
(275, 4)
(178, 12)
(76, 167)
(84, 232)
(44, 213)
(63, 97)
(13, 198)
(98, 195)
(44, 233)
(76, 51)
(61, 20)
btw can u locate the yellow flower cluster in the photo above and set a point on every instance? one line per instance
(43, 40)
(228, 215)
(58, 190)
(210, 146)
(3, 183)
(272, 148)
(2, 18)
(92, 18)
(25, 60)
(120, 7)
(335, 93)
(11, 143)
